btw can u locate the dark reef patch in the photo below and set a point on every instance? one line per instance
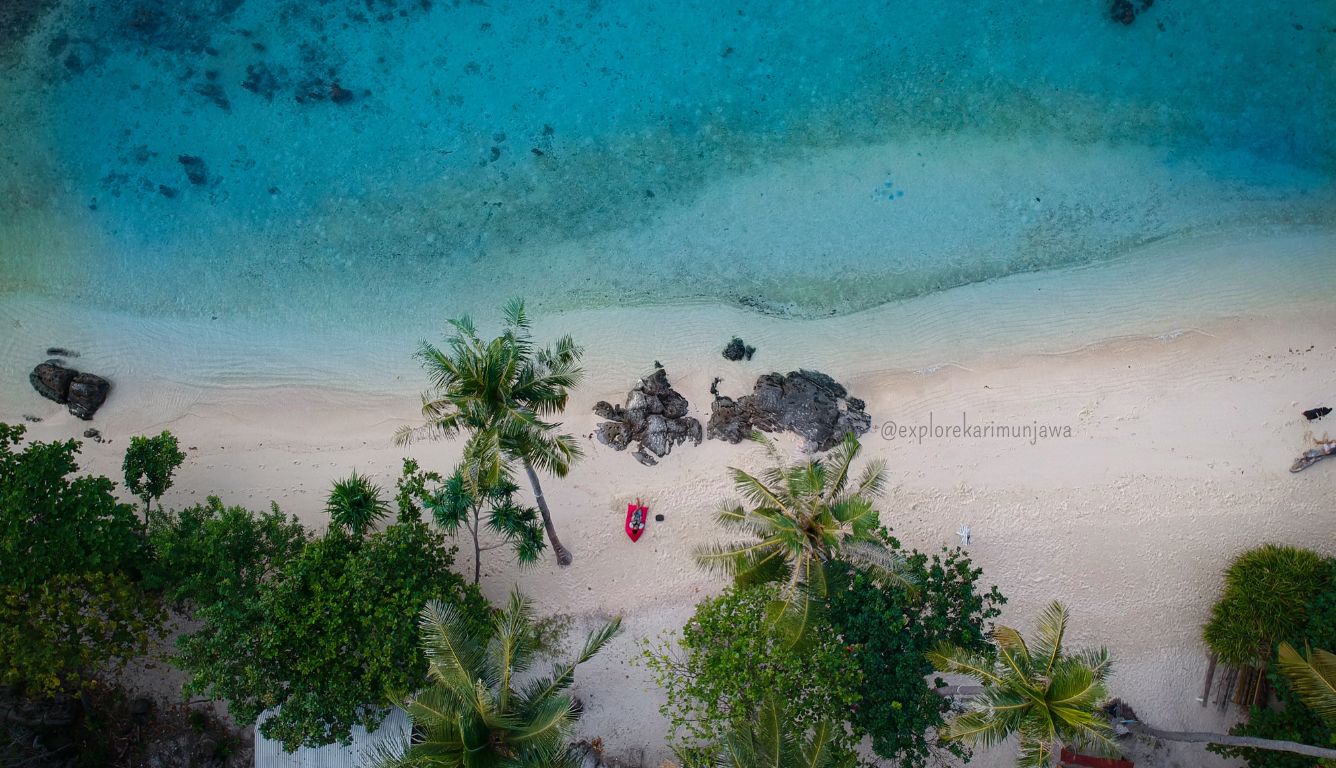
(18, 18)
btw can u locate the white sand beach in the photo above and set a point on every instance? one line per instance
(1183, 409)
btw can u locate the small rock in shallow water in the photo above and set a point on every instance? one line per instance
(737, 350)
(60, 352)
(339, 94)
(196, 170)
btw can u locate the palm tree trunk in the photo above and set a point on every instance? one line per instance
(563, 555)
(477, 549)
(1273, 745)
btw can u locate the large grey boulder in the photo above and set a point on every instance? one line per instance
(655, 415)
(809, 403)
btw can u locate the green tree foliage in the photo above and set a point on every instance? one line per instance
(499, 392)
(70, 600)
(321, 631)
(492, 510)
(355, 504)
(476, 712)
(891, 629)
(730, 658)
(1293, 720)
(802, 517)
(209, 553)
(1039, 692)
(1266, 592)
(149, 464)
(771, 741)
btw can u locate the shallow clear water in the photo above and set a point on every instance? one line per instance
(794, 158)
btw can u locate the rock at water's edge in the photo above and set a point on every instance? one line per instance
(87, 393)
(52, 380)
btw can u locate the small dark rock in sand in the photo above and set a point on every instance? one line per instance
(737, 350)
(1313, 414)
(809, 403)
(52, 380)
(31, 418)
(87, 393)
(196, 170)
(60, 352)
(655, 415)
(94, 435)
(658, 518)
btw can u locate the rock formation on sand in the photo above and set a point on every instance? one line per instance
(655, 415)
(809, 403)
(84, 393)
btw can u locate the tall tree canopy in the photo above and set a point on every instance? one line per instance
(71, 603)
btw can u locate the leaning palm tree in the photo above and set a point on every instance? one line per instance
(1313, 679)
(803, 516)
(356, 504)
(498, 392)
(769, 740)
(1037, 691)
(474, 714)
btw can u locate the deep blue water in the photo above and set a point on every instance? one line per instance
(373, 157)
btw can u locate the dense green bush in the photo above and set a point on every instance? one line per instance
(208, 552)
(71, 604)
(1266, 592)
(320, 630)
(1293, 720)
(730, 658)
(891, 629)
(862, 664)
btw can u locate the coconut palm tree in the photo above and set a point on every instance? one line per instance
(499, 392)
(769, 740)
(1047, 696)
(356, 504)
(803, 516)
(1312, 678)
(1038, 691)
(473, 714)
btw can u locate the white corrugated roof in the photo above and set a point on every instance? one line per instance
(270, 754)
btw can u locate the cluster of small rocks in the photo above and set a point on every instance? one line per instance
(809, 403)
(82, 392)
(655, 415)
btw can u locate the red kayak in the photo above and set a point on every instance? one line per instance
(637, 515)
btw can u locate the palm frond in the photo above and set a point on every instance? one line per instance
(1313, 678)
(1050, 629)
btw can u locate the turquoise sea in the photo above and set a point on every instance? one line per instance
(365, 162)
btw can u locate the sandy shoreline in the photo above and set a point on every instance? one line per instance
(1178, 457)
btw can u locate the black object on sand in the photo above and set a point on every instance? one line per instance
(1313, 414)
